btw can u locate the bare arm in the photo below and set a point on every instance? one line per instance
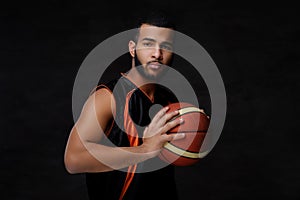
(84, 153)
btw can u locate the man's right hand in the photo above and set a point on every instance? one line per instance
(155, 134)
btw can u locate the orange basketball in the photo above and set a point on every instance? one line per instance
(185, 152)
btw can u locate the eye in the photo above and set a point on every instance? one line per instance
(147, 44)
(166, 47)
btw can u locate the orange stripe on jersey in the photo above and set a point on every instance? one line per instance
(133, 138)
(129, 177)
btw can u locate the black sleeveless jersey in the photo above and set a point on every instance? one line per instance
(132, 116)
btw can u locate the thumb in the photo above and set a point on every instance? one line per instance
(178, 136)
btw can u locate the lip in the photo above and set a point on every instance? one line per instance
(154, 65)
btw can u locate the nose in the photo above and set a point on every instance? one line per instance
(157, 53)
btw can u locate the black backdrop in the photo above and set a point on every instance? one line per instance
(255, 47)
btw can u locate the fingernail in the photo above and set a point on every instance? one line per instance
(180, 135)
(181, 120)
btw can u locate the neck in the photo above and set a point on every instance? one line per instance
(148, 86)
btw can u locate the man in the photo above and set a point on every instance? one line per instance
(114, 137)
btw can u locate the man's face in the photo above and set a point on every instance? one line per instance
(154, 51)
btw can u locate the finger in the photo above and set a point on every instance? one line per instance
(202, 111)
(172, 124)
(170, 115)
(165, 118)
(173, 136)
(160, 114)
(177, 136)
(145, 130)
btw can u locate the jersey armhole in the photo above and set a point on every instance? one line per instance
(102, 86)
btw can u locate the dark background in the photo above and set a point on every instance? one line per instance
(255, 46)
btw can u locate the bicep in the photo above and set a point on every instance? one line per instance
(94, 120)
(96, 116)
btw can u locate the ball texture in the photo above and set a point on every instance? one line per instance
(185, 152)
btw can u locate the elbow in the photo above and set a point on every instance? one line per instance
(72, 164)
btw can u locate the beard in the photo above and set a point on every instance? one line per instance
(142, 71)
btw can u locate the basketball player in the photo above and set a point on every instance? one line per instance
(115, 109)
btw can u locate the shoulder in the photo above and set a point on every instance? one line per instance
(101, 101)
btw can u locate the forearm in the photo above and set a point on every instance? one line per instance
(93, 157)
(117, 157)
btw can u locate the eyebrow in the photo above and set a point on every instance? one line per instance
(149, 39)
(153, 40)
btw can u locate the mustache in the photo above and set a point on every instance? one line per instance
(155, 61)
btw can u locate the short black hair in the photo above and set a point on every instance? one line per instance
(159, 18)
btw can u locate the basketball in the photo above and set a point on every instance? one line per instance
(185, 152)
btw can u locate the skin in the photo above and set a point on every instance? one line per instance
(83, 152)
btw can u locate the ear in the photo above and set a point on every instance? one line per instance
(131, 46)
